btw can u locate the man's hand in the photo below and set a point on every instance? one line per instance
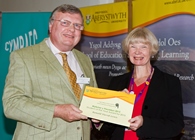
(68, 112)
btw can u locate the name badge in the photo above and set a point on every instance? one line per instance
(83, 80)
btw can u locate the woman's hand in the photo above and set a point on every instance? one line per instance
(125, 90)
(136, 122)
(95, 121)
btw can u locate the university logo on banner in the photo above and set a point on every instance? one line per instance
(105, 26)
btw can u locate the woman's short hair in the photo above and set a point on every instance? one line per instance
(141, 35)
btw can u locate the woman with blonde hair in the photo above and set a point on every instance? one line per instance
(158, 112)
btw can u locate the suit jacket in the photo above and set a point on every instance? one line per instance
(35, 83)
(162, 108)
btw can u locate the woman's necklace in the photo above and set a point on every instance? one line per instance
(131, 85)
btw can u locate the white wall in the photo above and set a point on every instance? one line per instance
(44, 5)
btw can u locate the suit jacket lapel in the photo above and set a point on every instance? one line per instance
(49, 57)
(155, 81)
(80, 61)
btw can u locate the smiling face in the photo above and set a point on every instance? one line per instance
(140, 44)
(65, 38)
(139, 54)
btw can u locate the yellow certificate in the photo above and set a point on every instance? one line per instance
(108, 105)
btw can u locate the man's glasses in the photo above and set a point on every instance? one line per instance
(67, 23)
